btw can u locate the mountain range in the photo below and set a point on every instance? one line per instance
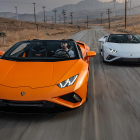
(93, 8)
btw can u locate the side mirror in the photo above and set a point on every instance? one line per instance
(91, 54)
(103, 39)
(1, 53)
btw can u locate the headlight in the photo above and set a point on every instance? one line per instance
(68, 82)
(113, 51)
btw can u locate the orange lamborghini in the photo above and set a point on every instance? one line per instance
(45, 73)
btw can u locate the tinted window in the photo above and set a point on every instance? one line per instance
(124, 38)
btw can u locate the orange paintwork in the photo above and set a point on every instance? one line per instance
(1, 53)
(91, 54)
(24, 55)
(39, 79)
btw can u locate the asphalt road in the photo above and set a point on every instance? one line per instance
(111, 113)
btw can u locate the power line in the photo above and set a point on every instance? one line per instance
(41, 6)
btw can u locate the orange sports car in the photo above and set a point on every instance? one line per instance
(45, 73)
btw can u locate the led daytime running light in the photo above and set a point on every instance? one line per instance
(111, 50)
(68, 82)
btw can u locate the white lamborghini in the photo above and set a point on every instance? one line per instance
(120, 48)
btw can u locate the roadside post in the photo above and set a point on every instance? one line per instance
(2, 34)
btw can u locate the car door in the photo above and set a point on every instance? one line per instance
(84, 48)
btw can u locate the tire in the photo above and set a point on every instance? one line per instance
(103, 58)
(100, 52)
(104, 61)
(87, 94)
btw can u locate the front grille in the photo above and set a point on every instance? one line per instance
(29, 107)
(29, 103)
(22, 102)
(128, 60)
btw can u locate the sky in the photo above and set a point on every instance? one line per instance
(9, 6)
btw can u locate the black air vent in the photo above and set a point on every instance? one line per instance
(110, 57)
(70, 97)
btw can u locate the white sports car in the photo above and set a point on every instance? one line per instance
(120, 48)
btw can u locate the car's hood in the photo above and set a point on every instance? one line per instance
(124, 47)
(32, 74)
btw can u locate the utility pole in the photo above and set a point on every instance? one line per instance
(34, 13)
(125, 13)
(87, 21)
(52, 19)
(44, 12)
(46, 19)
(71, 14)
(114, 7)
(16, 12)
(77, 21)
(108, 12)
(59, 19)
(55, 15)
(130, 7)
(101, 19)
(64, 14)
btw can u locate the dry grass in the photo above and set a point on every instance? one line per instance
(20, 30)
(118, 24)
(31, 34)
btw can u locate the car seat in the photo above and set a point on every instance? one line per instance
(38, 51)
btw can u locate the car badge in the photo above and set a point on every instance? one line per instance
(130, 54)
(38, 54)
(22, 93)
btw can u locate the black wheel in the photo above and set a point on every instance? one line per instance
(101, 51)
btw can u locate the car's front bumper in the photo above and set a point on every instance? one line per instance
(121, 57)
(49, 97)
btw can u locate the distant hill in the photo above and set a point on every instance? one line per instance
(28, 17)
(80, 11)
(7, 14)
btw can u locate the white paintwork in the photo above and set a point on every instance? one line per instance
(124, 50)
(103, 39)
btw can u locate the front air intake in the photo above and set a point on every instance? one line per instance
(110, 57)
(71, 97)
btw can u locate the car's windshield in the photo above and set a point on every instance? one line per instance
(42, 50)
(124, 38)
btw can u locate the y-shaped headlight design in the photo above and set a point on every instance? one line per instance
(111, 50)
(68, 82)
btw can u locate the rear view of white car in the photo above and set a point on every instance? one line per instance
(120, 48)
